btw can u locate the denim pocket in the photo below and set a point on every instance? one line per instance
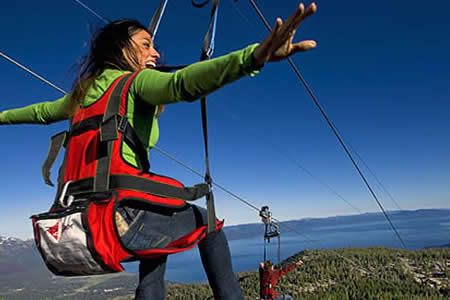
(145, 238)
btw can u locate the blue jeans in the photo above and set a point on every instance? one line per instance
(158, 227)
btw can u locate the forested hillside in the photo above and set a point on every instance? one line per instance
(374, 273)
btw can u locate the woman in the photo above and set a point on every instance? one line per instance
(126, 46)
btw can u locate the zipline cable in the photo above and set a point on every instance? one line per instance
(31, 72)
(296, 163)
(331, 189)
(376, 178)
(178, 161)
(238, 10)
(91, 11)
(227, 191)
(332, 126)
(156, 19)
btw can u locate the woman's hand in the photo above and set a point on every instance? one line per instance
(278, 45)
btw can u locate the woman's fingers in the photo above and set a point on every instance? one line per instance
(291, 21)
(276, 28)
(264, 50)
(278, 45)
(289, 27)
(312, 8)
(278, 25)
(303, 46)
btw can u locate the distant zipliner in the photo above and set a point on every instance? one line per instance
(108, 204)
(270, 274)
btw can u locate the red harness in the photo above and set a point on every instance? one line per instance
(95, 177)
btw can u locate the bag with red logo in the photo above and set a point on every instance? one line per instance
(64, 242)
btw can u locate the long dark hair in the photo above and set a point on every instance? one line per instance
(106, 51)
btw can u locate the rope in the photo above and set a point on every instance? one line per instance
(207, 52)
(31, 72)
(294, 161)
(332, 127)
(92, 11)
(156, 19)
(376, 178)
(227, 191)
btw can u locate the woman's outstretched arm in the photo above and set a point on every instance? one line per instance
(196, 80)
(202, 78)
(39, 113)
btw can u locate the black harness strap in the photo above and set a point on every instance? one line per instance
(108, 134)
(207, 51)
(92, 123)
(128, 182)
(57, 142)
(135, 143)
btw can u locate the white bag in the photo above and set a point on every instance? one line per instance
(62, 237)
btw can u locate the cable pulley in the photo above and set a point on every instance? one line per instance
(271, 230)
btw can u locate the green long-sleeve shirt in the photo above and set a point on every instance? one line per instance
(150, 86)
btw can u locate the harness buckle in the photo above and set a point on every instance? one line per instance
(123, 123)
(70, 198)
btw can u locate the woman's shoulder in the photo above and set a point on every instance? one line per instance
(101, 84)
(107, 77)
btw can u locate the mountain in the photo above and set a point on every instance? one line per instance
(337, 223)
(10, 245)
(20, 257)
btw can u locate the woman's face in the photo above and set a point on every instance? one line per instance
(145, 52)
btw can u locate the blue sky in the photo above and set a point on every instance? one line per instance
(381, 70)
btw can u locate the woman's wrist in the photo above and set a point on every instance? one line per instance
(257, 58)
(255, 63)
